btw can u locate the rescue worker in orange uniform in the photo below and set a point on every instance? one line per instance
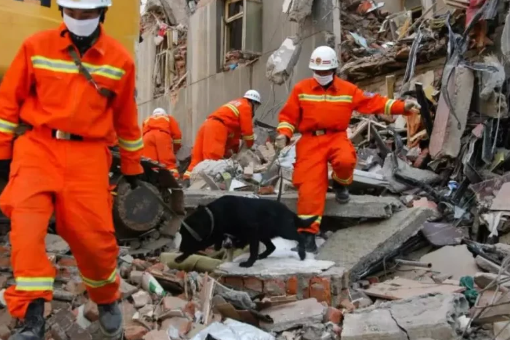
(320, 108)
(70, 88)
(162, 139)
(233, 118)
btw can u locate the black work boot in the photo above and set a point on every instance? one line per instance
(341, 193)
(310, 245)
(110, 321)
(33, 328)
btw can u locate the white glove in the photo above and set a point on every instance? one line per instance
(411, 105)
(280, 142)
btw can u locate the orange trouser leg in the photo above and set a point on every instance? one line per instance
(209, 144)
(71, 181)
(343, 158)
(160, 148)
(311, 178)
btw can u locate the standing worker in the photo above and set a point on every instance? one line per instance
(232, 119)
(321, 108)
(162, 139)
(70, 88)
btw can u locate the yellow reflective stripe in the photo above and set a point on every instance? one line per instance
(7, 127)
(342, 181)
(387, 107)
(325, 98)
(233, 108)
(285, 125)
(306, 217)
(173, 170)
(177, 141)
(131, 145)
(100, 283)
(65, 66)
(250, 137)
(31, 284)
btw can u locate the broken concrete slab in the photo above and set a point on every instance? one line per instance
(294, 314)
(365, 206)
(399, 288)
(356, 248)
(300, 9)
(280, 64)
(425, 317)
(457, 261)
(446, 134)
(424, 176)
(482, 280)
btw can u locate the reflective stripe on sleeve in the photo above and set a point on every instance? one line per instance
(250, 137)
(131, 145)
(387, 107)
(7, 127)
(285, 125)
(233, 108)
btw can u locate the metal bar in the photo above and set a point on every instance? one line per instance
(413, 263)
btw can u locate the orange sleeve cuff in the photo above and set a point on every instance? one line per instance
(398, 108)
(286, 132)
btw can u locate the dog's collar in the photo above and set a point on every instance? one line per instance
(194, 233)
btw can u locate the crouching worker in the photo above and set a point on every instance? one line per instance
(162, 139)
(220, 129)
(320, 108)
(61, 162)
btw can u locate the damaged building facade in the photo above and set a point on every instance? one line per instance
(228, 45)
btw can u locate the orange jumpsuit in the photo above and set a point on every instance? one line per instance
(162, 139)
(233, 143)
(322, 116)
(52, 172)
(212, 138)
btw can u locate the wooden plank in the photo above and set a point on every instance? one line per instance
(399, 288)
(390, 86)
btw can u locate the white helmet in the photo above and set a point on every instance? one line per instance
(323, 58)
(84, 4)
(159, 112)
(253, 95)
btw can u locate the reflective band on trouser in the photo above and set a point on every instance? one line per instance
(187, 175)
(251, 137)
(64, 66)
(306, 217)
(99, 283)
(325, 98)
(342, 181)
(7, 127)
(285, 125)
(177, 141)
(31, 284)
(387, 107)
(233, 108)
(314, 227)
(131, 145)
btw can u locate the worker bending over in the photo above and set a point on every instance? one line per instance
(221, 128)
(61, 163)
(162, 139)
(320, 108)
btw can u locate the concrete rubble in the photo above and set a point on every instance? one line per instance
(281, 63)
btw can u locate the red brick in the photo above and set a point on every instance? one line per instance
(191, 308)
(252, 283)
(157, 267)
(233, 282)
(333, 315)
(135, 332)
(373, 279)
(320, 288)
(67, 262)
(292, 286)
(141, 264)
(91, 311)
(173, 303)
(5, 262)
(274, 287)
(347, 304)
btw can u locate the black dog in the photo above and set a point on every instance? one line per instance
(248, 220)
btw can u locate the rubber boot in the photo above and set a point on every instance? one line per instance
(33, 328)
(110, 321)
(341, 193)
(310, 245)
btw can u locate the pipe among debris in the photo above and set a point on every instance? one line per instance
(413, 263)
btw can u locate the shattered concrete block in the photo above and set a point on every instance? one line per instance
(355, 249)
(425, 317)
(295, 314)
(452, 260)
(141, 298)
(446, 135)
(365, 206)
(280, 64)
(377, 324)
(91, 311)
(300, 9)
(126, 290)
(424, 176)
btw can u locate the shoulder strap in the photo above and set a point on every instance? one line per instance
(77, 61)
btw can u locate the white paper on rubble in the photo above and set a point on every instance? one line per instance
(233, 330)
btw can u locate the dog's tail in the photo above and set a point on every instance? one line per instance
(304, 223)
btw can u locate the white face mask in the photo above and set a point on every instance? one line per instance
(323, 80)
(81, 28)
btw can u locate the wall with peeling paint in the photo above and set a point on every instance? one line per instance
(207, 88)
